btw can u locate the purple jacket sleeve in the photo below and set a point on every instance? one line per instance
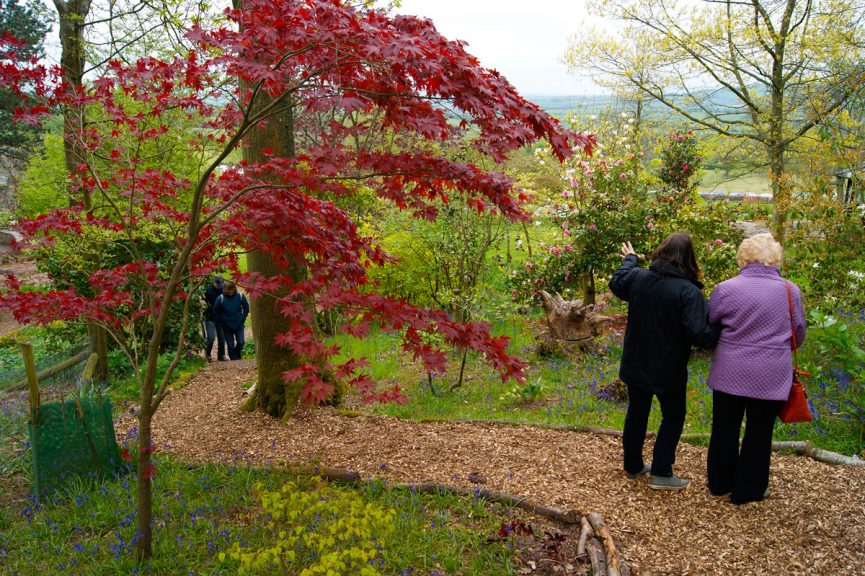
(799, 323)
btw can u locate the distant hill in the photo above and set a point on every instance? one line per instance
(559, 106)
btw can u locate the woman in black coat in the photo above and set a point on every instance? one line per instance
(667, 313)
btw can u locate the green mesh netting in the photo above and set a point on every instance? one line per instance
(74, 438)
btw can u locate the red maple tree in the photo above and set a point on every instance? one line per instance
(352, 71)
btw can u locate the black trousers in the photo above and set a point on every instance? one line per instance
(744, 473)
(637, 419)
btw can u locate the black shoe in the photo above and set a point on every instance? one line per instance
(223, 359)
(646, 469)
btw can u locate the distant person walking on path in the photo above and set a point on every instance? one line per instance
(213, 330)
(753, 368)
(667, 313)
(230, 311)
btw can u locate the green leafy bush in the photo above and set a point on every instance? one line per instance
(43, 184)
(835, 357)
(825, 253)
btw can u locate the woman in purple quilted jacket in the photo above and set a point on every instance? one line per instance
(752, 370)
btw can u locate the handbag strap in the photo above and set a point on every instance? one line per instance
(792, 326)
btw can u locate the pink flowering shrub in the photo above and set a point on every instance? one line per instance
(680, 160)
(605, 201)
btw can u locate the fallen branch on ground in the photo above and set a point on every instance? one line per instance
(552, 512)
(800, 447)
(596, 557)
(602, 532)
(805, 448)
(585, 533)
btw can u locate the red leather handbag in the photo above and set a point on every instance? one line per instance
(796, 408)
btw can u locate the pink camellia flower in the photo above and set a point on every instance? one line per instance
(566, 193)
(650, 225)
(718, 241)
(554, 250)
(592, 227)
(623, 175)
(529, 265)
(685, 167)
(569, 248)
(567, 276)
(680, 137)
(566, 232)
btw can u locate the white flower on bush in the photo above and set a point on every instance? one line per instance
(856, 276)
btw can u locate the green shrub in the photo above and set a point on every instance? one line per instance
(43, 184)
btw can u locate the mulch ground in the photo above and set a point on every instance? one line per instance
(812, 523)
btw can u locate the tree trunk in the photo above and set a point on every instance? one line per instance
(780, 193)
(144, 476)
(99, 345)
(272, 394)
(570, 320)
(72, 15)
(589, 287)
(776, 144)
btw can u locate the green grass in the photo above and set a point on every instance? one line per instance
(199, 512)
(571, 391)
(718, 181)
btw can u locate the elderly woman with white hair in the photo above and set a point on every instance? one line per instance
(752, 370)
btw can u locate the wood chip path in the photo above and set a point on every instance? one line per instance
(812, 523)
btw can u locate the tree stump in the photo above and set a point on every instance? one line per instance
(571, 320)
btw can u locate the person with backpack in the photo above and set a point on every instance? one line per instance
(213, 330)
(667, 314)
(230, 311)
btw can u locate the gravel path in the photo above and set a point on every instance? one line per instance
(812, 523)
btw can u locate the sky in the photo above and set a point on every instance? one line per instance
(523, 39)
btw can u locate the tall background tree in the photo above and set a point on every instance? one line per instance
(764, 71)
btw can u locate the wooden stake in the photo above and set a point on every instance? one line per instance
(32, 381)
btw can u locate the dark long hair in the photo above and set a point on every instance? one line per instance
(677, 249)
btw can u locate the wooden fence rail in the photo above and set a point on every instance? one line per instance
(45, 372)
